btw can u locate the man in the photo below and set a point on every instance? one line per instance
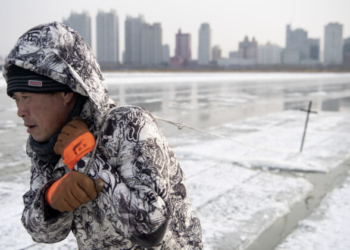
(107, 173)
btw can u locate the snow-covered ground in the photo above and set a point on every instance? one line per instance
(328, 227)
(273, 142)
(238, 185)
(236, 188)
(13, 235)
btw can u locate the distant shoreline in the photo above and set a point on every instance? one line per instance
(168, 70)
(224, 71)
(221, 71)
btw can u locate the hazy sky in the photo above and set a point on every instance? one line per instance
(230, 20)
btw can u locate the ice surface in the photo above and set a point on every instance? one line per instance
(273, 142)
(145, 78)
(327, 228)
(235, 198)
(233, 195)
(13, 234)
(235, 186)
(235, 204)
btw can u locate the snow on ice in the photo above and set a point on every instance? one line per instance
(327, 227)
(235, 185)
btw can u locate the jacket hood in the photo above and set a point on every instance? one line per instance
(57, 51)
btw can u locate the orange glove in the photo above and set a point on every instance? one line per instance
(73, 190)
(74, 142)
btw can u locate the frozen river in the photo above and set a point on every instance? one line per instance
(200, 100)
(196, 99)
(204, 99)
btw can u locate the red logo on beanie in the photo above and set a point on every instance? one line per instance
(35, 83)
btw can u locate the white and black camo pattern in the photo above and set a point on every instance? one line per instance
(144, 184)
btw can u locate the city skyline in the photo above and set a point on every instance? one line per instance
(229, 22)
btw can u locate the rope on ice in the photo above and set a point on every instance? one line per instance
(180, 126)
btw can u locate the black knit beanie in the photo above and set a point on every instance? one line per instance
(23, 80)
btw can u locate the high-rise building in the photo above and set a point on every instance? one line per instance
(82, 24)
(314, 49)
(133, 27)
(143, 42)
(346, 52)
(151, 44)
(297, 40)
(157, 43)
(183, 46)
(107, 33)
(269, 54)
(299, 48)
(166, 54)
(204, 44)
(248, 49)
(333, 39)
(291, 57)
(216, 53)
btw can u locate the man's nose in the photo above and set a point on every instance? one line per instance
(22, 111)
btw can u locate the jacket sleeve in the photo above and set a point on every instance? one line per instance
(138, 182)
(43, 223)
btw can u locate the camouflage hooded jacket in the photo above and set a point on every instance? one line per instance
(145, 195)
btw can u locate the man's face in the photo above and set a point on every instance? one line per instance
(43, 114)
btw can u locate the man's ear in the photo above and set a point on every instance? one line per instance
(68, 98)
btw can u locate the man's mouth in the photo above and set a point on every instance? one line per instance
(30, 127)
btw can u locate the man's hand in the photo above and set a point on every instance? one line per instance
(74, 142)
(73, 190)
(69, 133)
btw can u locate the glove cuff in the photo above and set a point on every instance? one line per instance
(51, 190)
(82, 145)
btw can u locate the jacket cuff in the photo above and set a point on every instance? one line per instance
(49, 212)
